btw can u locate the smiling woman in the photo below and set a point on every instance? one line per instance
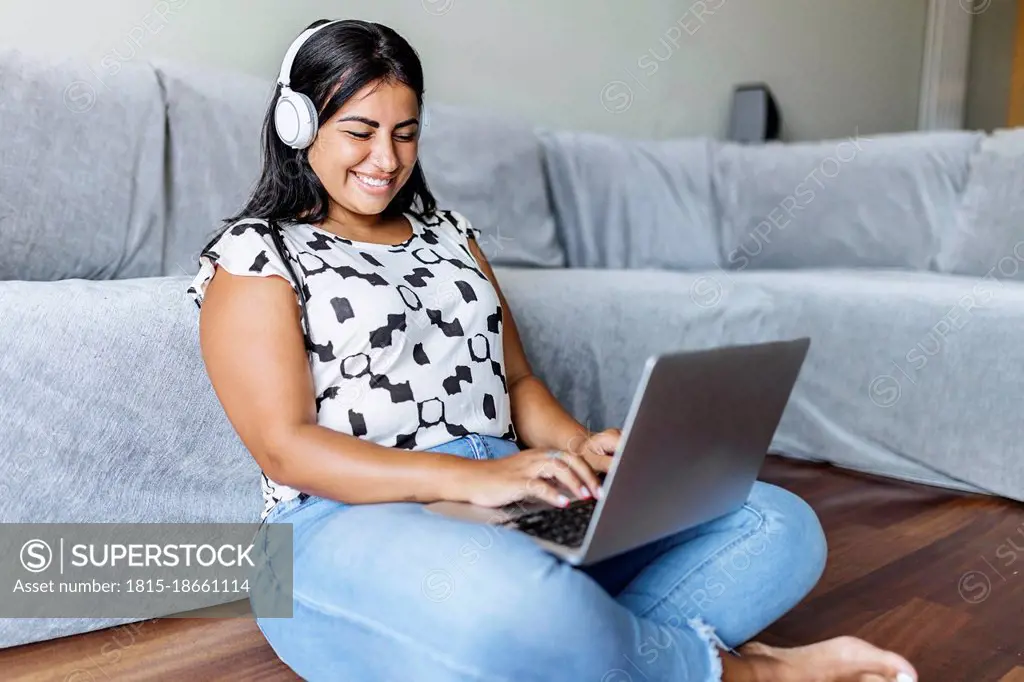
(414, 387)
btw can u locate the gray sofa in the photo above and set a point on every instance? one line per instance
(899, 255)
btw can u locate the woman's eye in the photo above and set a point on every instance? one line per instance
(359, 136)
(405, 138)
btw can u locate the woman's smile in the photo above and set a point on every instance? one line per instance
(376, 185)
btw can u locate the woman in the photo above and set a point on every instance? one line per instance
(416, 389)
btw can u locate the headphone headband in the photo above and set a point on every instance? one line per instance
(286, 66)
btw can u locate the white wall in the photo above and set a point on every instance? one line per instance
(836, 66)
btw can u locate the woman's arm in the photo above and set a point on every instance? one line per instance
(251, 339)
(539, 419)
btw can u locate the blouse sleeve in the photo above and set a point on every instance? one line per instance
(467, 228)
(244, 248)
(461, 224)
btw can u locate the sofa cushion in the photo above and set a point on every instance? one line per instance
(214, 124)
(625, 203)
(909, 375)
(878, 201)
(498, 186)
(489, 168)
(987, 238)
(81, 169)
(109, 415)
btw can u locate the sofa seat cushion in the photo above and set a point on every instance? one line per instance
(81, 169)
(911, 375)
(109, 415)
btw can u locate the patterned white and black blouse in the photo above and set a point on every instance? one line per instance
(406, 339)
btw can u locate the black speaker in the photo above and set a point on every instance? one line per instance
(755, 115)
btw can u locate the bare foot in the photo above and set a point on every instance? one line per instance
(843, 659)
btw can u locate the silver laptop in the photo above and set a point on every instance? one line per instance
(692, 446)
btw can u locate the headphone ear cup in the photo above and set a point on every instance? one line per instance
(295, 119)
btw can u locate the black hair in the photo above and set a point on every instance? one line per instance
(331, 66)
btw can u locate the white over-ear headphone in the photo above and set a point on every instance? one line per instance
(295, 117)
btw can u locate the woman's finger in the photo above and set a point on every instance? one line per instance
(541, 489)
(557, 466)
(605, 442)
(601, 463)
(586, 474)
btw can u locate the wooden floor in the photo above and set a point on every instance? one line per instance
(932, 574)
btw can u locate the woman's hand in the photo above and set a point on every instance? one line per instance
(597, 448)
(532, 473)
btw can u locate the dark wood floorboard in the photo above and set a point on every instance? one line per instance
(933, 574)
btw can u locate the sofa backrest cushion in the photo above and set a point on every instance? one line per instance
(489, 168)
(627, 203)
(879, 201)
(81, 169)
(214, 124)
(987, 238)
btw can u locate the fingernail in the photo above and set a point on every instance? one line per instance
(584, 492)
(904, 677)
(563, 500)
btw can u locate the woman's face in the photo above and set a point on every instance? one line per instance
(366, 152)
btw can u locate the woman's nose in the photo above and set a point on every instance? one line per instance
(384, 156)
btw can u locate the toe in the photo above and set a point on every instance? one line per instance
(868, 660)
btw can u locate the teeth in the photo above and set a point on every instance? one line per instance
(373, 181)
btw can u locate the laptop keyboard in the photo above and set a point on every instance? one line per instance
(564, 526)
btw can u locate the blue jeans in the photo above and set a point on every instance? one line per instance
(393, 592)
